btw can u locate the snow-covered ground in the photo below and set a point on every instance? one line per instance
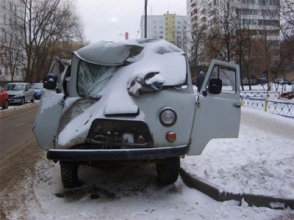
(260, 161)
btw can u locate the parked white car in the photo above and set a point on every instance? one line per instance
(133, 101)
(20, 92)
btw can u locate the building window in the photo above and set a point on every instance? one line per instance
(4, 19)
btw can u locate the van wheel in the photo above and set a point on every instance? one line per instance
(33, 99)
(168, 170)
(69, 174)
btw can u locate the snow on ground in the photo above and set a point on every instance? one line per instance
(260, 161)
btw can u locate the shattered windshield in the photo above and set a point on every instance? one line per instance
(92, 78)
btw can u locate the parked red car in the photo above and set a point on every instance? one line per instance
(3, 98)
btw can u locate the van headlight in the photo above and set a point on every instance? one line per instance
(167, 117)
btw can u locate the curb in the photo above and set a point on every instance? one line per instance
(220, 195)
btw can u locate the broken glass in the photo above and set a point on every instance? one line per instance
(92, 78)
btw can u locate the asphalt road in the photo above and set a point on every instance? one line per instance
(16, 127)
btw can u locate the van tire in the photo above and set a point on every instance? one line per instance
(69, 174)
(168, 170)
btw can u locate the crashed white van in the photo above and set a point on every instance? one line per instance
(133, 101)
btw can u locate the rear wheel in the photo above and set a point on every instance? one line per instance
(69, 174)
(168, 170)
(33, 99)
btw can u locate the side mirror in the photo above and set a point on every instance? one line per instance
(50, 81)
(215, 86)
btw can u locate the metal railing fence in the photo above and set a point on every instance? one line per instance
(276, 107)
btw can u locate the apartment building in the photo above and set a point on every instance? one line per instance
(170, 27)
(258, 15)
(10, 54)
(261, 17)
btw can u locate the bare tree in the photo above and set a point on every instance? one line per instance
(287, 12)
(287, 22)
(268, 41)
(43, 24)
(222, 37)
(244, 53)
(197, 51)
(12, 56)
(246, 42)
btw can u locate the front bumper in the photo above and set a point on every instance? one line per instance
(116, 154)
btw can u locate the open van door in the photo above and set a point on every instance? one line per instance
(51, 106)
(218, 108)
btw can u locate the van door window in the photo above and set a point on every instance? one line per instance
(228, 77)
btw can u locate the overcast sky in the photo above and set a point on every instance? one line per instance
(110, 19)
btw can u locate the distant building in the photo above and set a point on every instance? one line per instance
(260, 17)
(170, 27)
(11, 56)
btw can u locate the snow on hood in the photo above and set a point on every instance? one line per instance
(165, 58)
(145, 82)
